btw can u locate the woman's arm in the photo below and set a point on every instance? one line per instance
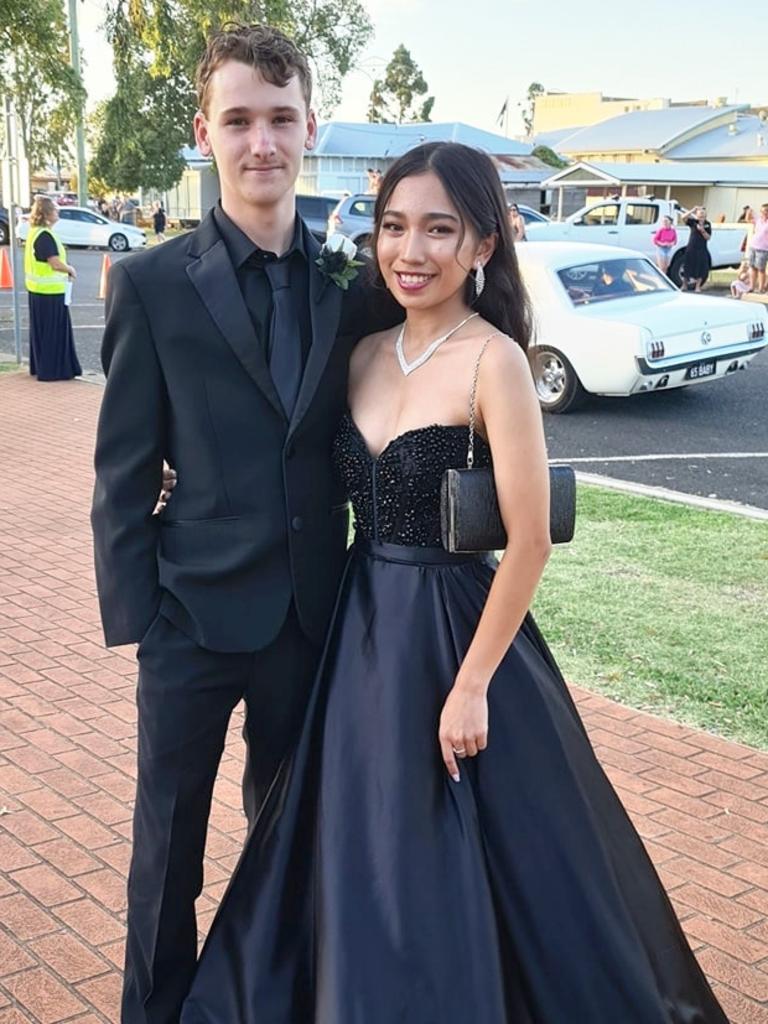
(61, 266)
(512, 419)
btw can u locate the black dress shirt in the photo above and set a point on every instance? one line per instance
(249, 259)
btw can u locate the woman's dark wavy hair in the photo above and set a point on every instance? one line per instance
(473, 185)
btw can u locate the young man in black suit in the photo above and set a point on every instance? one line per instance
(226, 354)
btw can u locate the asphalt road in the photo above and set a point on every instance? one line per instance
(711, 439)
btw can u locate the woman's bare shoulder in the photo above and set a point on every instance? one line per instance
(368, 346)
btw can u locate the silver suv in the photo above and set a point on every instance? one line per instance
(353, 217)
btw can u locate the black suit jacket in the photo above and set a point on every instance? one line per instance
(258, 516)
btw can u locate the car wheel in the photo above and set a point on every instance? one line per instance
(675, 272)
(118, 243)
(4, 236)
(557, 385)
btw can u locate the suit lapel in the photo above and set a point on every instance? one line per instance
(325, 300)
(213, 276)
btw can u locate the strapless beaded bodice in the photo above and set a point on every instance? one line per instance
(396, 496)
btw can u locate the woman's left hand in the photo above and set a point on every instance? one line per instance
(463, 726)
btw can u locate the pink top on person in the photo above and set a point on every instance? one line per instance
(665, 236)
(759, 239)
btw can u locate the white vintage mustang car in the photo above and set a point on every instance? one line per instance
(607, 322)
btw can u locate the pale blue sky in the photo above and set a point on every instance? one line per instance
(476, 52)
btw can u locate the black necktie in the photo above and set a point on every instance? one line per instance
(285, 342)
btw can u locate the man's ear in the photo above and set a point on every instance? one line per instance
(311, 139)
(202, 137)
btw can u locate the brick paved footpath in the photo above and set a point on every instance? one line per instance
(68, 740)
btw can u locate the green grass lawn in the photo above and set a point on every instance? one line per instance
(9, 367)
(664, 607)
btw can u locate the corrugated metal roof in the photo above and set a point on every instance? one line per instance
(385, 141)
(641, 129)
(683, 173)
(741, 138)
(555, 138)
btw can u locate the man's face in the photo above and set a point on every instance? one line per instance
(256, 132)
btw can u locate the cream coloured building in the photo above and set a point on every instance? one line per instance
(553, 111)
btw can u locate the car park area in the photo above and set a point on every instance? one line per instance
(709, 441)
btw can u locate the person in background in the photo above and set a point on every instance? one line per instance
(374, 181)
(52, 354)
(747, 215)
(758, 252)
(665, 239)
(697, 263)
(517, 223)
(159, 221)
(741, 283)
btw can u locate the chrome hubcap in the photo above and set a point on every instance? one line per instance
(550, 377)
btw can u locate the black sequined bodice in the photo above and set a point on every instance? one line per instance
(396, 496)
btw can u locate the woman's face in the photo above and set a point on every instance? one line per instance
(53, 216)
(420, 251)
(667, 222)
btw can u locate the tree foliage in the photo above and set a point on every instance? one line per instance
(35, 69)
(548, 156)
(157, 45)
(534, 89)
(392, 98)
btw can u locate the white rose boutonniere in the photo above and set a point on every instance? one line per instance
(337, 260)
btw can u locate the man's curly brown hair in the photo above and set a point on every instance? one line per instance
(262, 47)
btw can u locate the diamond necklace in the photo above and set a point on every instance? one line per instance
(429, 351)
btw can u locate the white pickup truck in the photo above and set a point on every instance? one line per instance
(631, 223)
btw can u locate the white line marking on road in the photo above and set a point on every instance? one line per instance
(665, 457)
(678, 497)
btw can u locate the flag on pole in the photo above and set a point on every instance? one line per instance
(502, 112)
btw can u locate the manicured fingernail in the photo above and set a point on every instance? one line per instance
(456, 777)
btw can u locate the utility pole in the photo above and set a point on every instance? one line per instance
(74, 56)
(11, 182)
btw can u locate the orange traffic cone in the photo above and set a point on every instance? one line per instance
(6, 274)
(106, 263)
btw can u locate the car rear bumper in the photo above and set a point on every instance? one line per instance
(715, 365)
(647, 369)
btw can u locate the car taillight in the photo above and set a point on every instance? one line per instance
(336, 220)
(656, 350)
(756, 331)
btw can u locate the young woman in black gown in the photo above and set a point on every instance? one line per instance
(443, 843)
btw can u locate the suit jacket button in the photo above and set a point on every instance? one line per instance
(297, 523)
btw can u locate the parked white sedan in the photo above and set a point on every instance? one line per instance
(607, 322)
(79, 226)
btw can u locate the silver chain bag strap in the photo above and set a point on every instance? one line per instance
(469, 509)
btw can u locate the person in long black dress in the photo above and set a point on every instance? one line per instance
(696, 264)
(443, 844)
(52, 354)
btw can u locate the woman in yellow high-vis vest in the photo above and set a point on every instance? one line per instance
(52, 354)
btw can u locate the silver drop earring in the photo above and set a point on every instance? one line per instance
(479, 280)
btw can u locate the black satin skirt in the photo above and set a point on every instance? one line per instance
(52, 354)
(375, 890)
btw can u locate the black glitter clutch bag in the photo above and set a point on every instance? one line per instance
(469, 509)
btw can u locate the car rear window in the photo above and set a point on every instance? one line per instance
(587, 283)
(315, 206)
(362, 207)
